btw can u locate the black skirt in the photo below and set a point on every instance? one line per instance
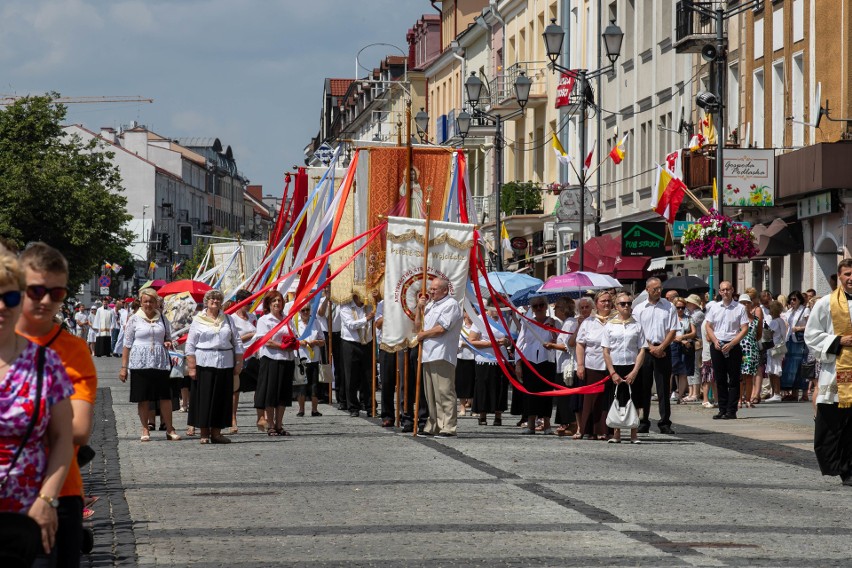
(149, 385)
(567, 406)
(538, 405)
(465, 371)
(491, 389)
(248, 376)
(274, 383)
(211, 400)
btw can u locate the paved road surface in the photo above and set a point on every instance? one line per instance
(344, 492)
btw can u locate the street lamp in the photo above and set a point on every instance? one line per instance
(473, 89)
(421, 119)
(553, 36)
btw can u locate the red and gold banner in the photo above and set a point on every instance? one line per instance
(388, 192)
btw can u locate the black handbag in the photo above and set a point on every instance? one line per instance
(20, 535)
(808, 370)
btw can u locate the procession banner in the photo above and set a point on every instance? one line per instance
(387, 192)
(449, 257)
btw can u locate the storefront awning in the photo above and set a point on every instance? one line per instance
(603, 255)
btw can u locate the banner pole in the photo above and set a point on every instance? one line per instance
(422, 313)
(373, 350)
(396, 390)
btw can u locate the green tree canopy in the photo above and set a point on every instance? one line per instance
(56, 189)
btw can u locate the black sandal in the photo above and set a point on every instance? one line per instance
(282, 432)
(272, 432)
(316, 413)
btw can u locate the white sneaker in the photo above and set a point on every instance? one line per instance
(773, 398)
(675, 397)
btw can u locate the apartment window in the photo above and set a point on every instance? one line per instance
(778, 29)
(758, 38)
(757, 109)
(629, 28)
(733, 110)
(798, 20)
(778, 104)
(798, 100)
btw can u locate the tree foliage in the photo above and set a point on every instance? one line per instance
(57, 189)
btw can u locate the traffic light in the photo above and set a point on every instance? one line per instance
(186, 235)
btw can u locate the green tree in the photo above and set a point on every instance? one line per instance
(57, 189)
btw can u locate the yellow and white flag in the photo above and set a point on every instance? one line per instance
(561, 155)
(504, 239)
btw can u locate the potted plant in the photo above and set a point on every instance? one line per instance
(715, 234)
(520, 198)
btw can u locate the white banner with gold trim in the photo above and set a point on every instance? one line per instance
(449, 257)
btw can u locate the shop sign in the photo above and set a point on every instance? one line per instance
(564, 89)
(749, 177)
(815, 205)
(519, 243)
(643, 238)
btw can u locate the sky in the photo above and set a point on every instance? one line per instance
(249, 72)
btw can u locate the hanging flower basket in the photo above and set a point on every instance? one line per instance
(716, 234)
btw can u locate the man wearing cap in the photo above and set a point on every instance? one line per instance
(659, 322)
(725, 327)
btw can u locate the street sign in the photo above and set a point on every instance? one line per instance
(643, 238)
(104, 281)
(678, 227)
(104, 290)
(324, 153)
(519, 243)
(568, 208)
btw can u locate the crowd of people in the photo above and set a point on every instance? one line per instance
(728, 353)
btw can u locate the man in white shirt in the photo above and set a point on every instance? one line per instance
(104, 318)
(441, 325)
(659, 322)
(82, 320)
(725, 326)
(387, 370)
(355, 344)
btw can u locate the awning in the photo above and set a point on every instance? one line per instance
(657, 264)
(603, 255)
(779, 238)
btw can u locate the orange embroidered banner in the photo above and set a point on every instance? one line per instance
(387, 191)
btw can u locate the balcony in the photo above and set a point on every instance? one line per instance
(501, 89)
(692, 30)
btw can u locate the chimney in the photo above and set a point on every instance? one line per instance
(108, 134)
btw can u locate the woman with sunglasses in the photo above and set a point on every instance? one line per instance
(31, 379)
(796, 318)
(311, 341)
(623, 344)
(145, 357)
(214, 356)
(540, 361)
(591, 368)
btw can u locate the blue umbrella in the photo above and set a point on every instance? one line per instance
(523, 297)
(508, 282)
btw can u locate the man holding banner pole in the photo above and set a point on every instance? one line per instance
(441, 326)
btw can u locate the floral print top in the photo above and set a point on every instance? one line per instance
(17, 402)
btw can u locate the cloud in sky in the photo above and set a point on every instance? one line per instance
(249, 72)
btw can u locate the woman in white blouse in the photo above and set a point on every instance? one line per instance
(566, 364)
(147, 339)
(277, 365)
(214, 355)
(591, 368)
(311, 342)
(490, 388)
(623, 346)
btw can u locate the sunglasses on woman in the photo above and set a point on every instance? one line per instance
(11, 299)
(624, 304)
(57, 294)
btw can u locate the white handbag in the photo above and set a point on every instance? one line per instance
(622, 417)
(300, 377)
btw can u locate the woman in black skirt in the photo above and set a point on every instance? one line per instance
(275, 376)
(214, 355)
(491, 387)
(147, 339)
(540, 362)
(465, 368)
(591, 368)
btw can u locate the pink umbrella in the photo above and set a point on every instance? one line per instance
(157, 284)
(579, 282)
(196, 289)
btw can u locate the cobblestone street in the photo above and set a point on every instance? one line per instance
(344, 492)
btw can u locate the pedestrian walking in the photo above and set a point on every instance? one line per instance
(796, 319)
